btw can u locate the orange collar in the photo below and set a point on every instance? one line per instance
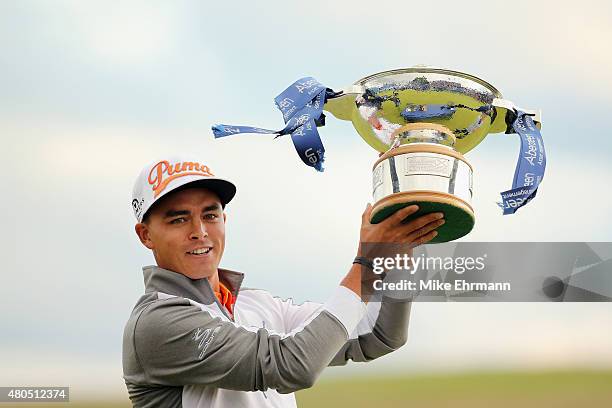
(226, 298)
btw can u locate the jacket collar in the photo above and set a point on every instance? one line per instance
(157, 279)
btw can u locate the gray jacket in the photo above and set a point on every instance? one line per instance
(181, 348)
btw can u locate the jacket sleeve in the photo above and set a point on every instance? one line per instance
(382, 330)
(176, 342)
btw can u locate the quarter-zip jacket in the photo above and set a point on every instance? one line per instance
(181, 348)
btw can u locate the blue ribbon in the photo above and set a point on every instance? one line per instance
(302, 107)
(529, 168)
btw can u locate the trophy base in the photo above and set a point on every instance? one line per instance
(458, 214)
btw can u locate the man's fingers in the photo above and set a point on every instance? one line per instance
(400, 215)
(424, 239)
(420, 222)
(426, 229)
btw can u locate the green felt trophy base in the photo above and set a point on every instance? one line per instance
(458, 214)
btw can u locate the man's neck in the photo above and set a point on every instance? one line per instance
(214, 281)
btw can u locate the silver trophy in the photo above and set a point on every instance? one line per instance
(423, 120)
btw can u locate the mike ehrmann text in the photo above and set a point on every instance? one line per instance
(436, 285)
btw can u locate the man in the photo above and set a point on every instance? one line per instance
(197, 339)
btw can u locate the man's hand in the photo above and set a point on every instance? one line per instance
(392, 230)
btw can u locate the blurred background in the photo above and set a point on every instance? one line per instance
(94, 90)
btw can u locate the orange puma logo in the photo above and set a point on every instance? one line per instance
(163, 173)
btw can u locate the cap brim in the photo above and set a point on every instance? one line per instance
(226, 190)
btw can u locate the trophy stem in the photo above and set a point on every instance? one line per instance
(428, 172)
(423, 133)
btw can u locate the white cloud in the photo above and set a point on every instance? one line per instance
(530, 46)
(126, 32)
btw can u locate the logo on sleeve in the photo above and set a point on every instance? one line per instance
(204, 337)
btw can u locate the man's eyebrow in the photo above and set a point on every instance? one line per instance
(174, 213)
(212, 207)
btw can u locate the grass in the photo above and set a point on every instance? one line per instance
(544, 389)
(592, 389)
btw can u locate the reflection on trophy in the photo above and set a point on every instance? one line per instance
(422, 120)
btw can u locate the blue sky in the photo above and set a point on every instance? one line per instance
(94, 90)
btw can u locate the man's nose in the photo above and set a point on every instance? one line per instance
(198, 230)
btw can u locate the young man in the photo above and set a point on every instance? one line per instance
(197, 339)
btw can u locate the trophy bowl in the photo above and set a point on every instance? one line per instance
(422, 120)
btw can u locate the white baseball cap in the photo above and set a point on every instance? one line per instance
(163, 176)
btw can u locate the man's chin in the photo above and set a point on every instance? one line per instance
(199, 270)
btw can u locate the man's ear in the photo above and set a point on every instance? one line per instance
(142, 230)
(224, 218)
